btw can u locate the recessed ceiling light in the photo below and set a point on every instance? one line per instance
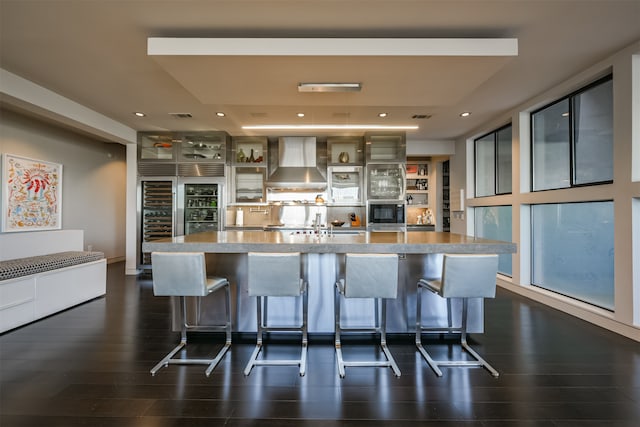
(139, 114)
(220, 114)
(300, 114)
(382, 114)
(465, 114)
(565, 114)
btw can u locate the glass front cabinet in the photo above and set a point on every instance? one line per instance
(248, 184)
(345, 151)
(386, 181)
(385, 147)
(345, 185)
(158, 147)
(201, 147)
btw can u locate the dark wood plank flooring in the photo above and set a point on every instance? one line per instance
(89, 366)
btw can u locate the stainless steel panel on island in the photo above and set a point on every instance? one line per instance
(420, 256)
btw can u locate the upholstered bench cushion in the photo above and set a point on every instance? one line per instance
(37, 264)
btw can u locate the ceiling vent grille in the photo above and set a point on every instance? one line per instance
(421, 116)
(181, 115)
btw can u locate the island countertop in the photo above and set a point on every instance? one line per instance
(360, 242)
(422, 257)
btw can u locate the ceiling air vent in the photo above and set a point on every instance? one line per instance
(421, 116)
(181, 115)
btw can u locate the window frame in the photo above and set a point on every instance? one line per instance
(570, 98)
(494, 133)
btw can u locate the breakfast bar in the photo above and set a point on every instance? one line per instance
(420, 256)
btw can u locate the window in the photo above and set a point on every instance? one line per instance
(494, 222)
(493, 163)
(572, 250)
(573, 139)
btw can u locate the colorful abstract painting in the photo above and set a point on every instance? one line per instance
(32, 194)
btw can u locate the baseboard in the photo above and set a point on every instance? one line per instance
(586, 312)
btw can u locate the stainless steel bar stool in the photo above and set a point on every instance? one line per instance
(367, 276)
(463, 276)
(183, 274)
(276, 275)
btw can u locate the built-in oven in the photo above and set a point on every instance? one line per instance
(386, 214)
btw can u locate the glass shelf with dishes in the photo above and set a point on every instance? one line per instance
(209, 147)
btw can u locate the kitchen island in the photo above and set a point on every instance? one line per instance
(420, 256)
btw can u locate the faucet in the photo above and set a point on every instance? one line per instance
(316, 225)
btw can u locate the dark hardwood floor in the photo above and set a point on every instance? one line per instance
(89, 366)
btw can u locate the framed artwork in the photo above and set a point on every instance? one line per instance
(31, 194)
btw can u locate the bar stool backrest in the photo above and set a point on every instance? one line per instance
(469, 276)
(274, 274)
(179, 274)
(371, 276)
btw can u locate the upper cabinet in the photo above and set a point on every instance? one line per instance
(201, 147)
(157, 147)
(345, 151)
(385, 147)
(209, 147)
(249, 151)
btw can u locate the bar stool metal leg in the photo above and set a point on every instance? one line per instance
(276, 275)
(184, 326)
(379, 328)
(419, 330)
(458, 271)
(262, 327)
(182, 274)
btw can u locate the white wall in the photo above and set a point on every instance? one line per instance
(625, 192)
(93, 182)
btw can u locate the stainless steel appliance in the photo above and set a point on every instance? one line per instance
(171, 206)
(386, 216)
(198, 206)
(156, 212)
(298, 164)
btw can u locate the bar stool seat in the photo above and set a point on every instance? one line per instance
(367, 276)
(276, 275)
(183, 274)
(463, 276)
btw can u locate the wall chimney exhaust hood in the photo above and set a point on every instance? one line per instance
(297, 164)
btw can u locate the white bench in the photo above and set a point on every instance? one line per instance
(49, 272)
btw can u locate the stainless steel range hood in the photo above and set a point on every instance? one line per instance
(297, 167)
